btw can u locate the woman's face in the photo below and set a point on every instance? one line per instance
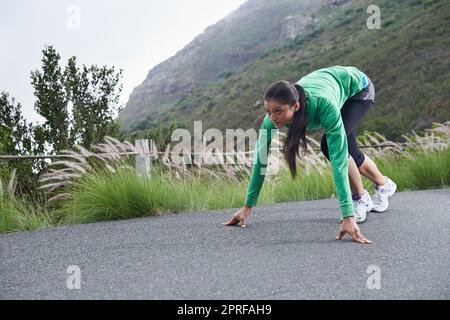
(280, 114)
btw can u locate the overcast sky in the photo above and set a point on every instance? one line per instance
(134, 35)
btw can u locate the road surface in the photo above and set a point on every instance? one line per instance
(288, 251)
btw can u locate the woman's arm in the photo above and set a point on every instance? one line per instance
(258, 173)
(330, 119)
(259, 163)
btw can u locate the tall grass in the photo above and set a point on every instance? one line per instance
(106, 196)
(103, 195)
(20, 214)
(425, 171)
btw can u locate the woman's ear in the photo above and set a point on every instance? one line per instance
(296, 106)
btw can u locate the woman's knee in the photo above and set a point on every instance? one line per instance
(359, 159)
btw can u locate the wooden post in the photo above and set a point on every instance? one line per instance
(144, 148)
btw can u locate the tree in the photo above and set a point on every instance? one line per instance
(14, 132)
(16, 138)
(52, 100)
(38, 147)
(94, 93)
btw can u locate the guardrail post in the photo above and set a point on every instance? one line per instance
(144, 148)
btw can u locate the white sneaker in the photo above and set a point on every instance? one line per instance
(382, 194)
(362, 206)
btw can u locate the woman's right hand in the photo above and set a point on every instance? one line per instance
(239, 217)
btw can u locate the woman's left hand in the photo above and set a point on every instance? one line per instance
(349, 226)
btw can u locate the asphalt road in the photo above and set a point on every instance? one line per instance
(288, 251)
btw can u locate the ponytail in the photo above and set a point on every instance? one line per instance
(296, 133)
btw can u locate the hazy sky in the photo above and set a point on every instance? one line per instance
(134, 35)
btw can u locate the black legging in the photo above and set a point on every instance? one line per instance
(352, 111)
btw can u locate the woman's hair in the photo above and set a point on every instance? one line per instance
(289, 93)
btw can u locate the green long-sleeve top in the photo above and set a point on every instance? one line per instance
(326, 91)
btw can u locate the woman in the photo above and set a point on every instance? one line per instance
(335, 98)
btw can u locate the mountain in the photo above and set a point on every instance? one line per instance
(407, 59)
(254, 28)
